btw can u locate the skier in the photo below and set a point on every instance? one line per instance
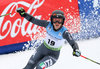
(47, 54)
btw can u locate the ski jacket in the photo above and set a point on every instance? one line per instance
(54, 39)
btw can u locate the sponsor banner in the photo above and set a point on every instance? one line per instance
(15, 29)
(20, 46)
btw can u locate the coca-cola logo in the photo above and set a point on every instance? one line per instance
(22, 24)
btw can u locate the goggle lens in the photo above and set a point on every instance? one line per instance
(59, 20)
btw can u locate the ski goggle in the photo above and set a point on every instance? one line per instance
(57, 20)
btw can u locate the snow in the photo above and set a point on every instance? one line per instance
(89, 48)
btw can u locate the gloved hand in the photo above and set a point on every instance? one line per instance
(76, 53)
(21, 11)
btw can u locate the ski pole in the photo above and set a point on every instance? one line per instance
(90, 59)
(5, 14)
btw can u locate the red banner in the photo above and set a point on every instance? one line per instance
(15, 29)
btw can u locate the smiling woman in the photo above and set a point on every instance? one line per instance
(57, 19)
(57, 16)
(56, 34)
(57, 25)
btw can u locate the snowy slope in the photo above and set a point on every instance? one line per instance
(89, 48)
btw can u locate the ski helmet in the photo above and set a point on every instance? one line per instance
(57, 14)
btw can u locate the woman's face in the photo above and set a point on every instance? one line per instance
(57, 23)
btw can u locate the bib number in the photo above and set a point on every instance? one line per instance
(52, 43)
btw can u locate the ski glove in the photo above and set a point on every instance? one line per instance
(21, 11)
(76, 53)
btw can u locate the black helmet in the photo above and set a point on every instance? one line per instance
(57, 14)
